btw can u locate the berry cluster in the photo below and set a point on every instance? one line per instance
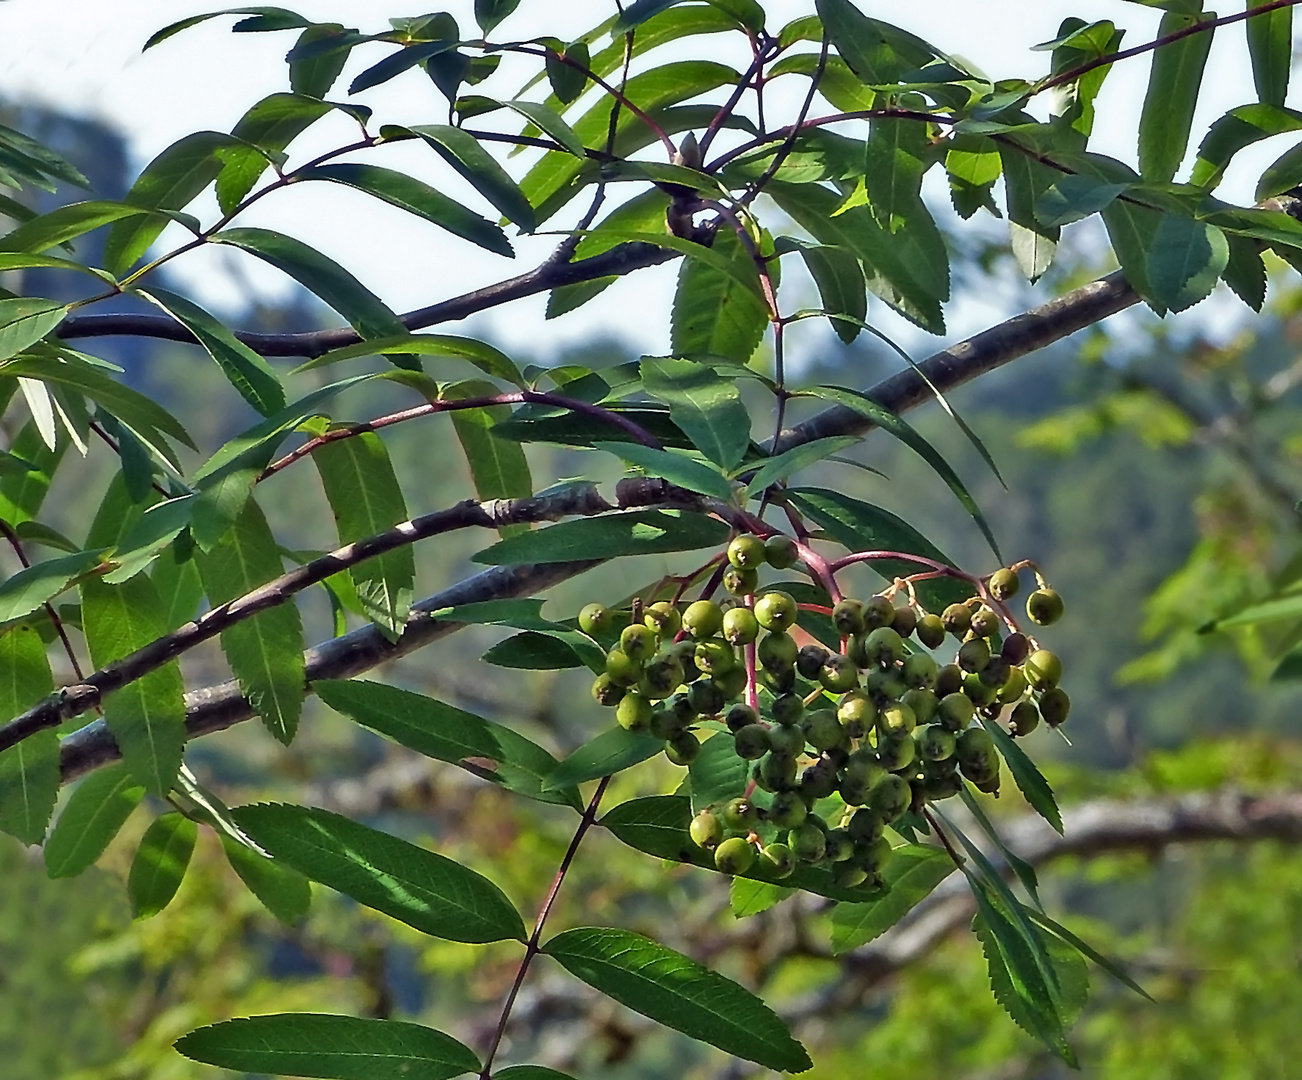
(862, 735)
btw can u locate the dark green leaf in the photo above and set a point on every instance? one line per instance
(841, 287)
(717, 774)
(1172, 96)
(523, 614)
(913, 871)
(24, 320)
(678, 992)
(533, 651)
(28, 589)
(1270, 44)
(23, 490)
(147, 716)
(497, 465)
(29, 771)
(610, 752)
(747, 897)
(713, 312)
(1072, 197)
(568, 80)
(1024, 870)
(318, 66)
(1026, 183)
(896, 156)
(1030, 781)
(334, 1047)
(866, 44)
(1237, 129)
(278, 18)
(265, 651)
(160, 863)
(99, 806)
(446, 733)
(815, 155)
(575, 429)
(484, 356)
(144, 538)
(550, 123)
(427, 891)
(797, 458)
(1185, 261)
(488, 13)
(282, 891)
(703, 404)
(676, 468)
(21, 260)
(248, 372)
(365, 311)
(1110, 966)
(67, 223)
(267, 127)
(635, 532)
(1245, 272)
(365, 499)
(397, 62)
(860, 526)
(465, 154)
(529, 1072)
(897, 427)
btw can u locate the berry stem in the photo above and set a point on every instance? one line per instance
(821, 569)
(532, 947)
(938, 567)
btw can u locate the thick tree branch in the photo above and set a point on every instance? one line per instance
(218, 707)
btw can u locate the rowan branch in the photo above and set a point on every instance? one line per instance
(217, 707)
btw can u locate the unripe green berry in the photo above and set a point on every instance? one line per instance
(606, 691)
(974, 744)
(857, 714)
(777, 651)
(978, 691)
(731, 682)
(703, 619)
(839, 845)
(919, 671)
(984, 622)
(1044, 607)
(891, 797)
(734, 855)
(818, 781)
(897, 753)
(739, 716)
(955, 711)
(714, 656)
(838, 674)
(935, 743)
(746, 552)
(874, 855)
(822, 729)
(1003, 584)
(787, 740)
(1024, 719)
(776, 611)
(776, 772)
(1014, 688)
(740, 815)
(706, 830)
(905, 621)
(946, 786)
(638, 641)
(848, 875)
(634, 712)
(596, 619)
(662, 617)
(683, 748)
(777, 861)
(666, 724)
(752, 742)
(664, 674)
(740, 627)
(896, 719)
(1054, 706)
(866, 826)
(949, 680)
(996, 673)
(740, 582)
(622, 668)
(787, 811)
(781, 552)
(705, 697)
(957, 619)
(884, 646)
(809, 843)
(931, 631)
(973, 654)
(924, 704)
(787, 709)
(847, 617)
(878, 611)
(1042, 669)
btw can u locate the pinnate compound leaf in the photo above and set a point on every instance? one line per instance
(98, 807)
(29, 771)
(365, 311)
(913, 872)
(416, 197)
(24, 320)
(365, 499)
(1030, 781)
(1270, 45)
(633, 532)
(1173, 84)
(248, 372)
(678, 469)
(706, 406)
(282, 891)
(160, 863)
(610, 752)
(446, 733)
(465, 154)
(427, 891)
(333, 1047)
(147, 716)
(265, 651)
(676, 991)
(1185, 261)
(860, 526)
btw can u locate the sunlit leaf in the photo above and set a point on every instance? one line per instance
(912, 873)
(98, 807)
(704, 404)
(29, 770)
(610, 752)
(160, 863)
(1173, 85)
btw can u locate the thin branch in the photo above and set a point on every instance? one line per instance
(218, 707)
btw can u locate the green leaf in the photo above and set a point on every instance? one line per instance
(908, 269)
(797, 458)
(841, 287)
(465, 154)
(713, 312)
(248, 372)
(362, 490)
(912, 873)
(265, 651)
(277, 18)
(482, 355)
(860, 526)
(529, 1072)
(1072, 198)
(1085, 949)
(160, 863)
(676, 468)
(441, 731)
(317, 66)
(1172, 96)
(717, 774)
(1270, 45)
(498, 466)
(632, 532)
(488, 13)
(864, 43)
(147, 716)
(145, 538)
(748, 897)
(568, 81)
(1030, 781)
(1239, 128)
(171, 181)
(99, 806)
(427, 891)
(896, 156)
(22, 491)
(705, 405)
(397, 62)
(335, 1047)
(1245, 272)
(972, 166)
(282, 891)
(532, 651)
(24, 320)
(67, 223)
(899, 428)
(265, 130)
(610, 752)
(550, 123)
(29, 770)
(365, 311)
(28, 589)
(1026, 183)
(22, 260)
(1024, 870)
(676, 991)
(1185, 261)
(416, 197)
(583, 429)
